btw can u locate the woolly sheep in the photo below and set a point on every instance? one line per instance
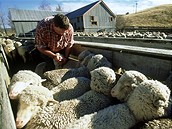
(60, 114)
(71, 88)
(40, 69)
(85, 61)
(126, 84)
(70, 110)
(21, 50)
(31, 99)
(83, 54)
(148, 101)
(21, 79)
(103, 80)
(160, 123)
(98, 61)
(9, 48)
(59, 75)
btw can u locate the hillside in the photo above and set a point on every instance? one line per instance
(159, 16)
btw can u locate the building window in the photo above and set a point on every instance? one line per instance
(94, 23)
(91, 18)
(110, 19)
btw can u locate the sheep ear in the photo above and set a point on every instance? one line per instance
(159, 103)
(43, 80)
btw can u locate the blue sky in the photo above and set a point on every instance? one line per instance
(117, 6)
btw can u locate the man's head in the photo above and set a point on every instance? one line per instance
(61, 21)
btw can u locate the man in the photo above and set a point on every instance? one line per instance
(54, 35)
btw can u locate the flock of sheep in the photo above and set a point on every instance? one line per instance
(89, 96)
(130, 34)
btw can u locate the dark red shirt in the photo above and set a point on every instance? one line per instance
(47, 38)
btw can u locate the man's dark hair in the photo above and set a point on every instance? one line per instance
(61, 21)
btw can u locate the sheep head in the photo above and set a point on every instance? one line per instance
(126, 84)
(17, 88)
(102, 80)
(31, 99)
(149, 100)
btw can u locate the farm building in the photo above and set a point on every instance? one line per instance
(25, 21)
(93, 17)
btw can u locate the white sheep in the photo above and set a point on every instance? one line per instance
(160, 123)
(9, 48)
(59, 114)
(148, 101)
(21, 80)
(21, 50)
(63, 113)
(103, 80)
(126, 84)
(59, 75)
(31, 100)
(71, 88)
(98, 60)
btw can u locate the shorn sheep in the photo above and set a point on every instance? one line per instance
(148, 101)
(21, 80)
(126, 84)
(58, 115)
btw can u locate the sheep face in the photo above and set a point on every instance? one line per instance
(126, 84)
(149, 100)
(17, 88)
(31, 99)
(102, 80)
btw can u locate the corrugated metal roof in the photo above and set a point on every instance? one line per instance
(30, 15)
(81, 11)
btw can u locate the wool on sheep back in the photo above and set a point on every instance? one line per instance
(59, 75)
(71, 88)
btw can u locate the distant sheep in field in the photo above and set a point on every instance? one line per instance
(148, 101)
(127, 83)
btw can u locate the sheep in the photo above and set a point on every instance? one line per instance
(98, 60)
(126, 84)
(148, 101)
(31, 99)
(59, 75)
(159, 123)
(40, 69)
(103, 76)
(71, 88)
(21, 80)
(64, 112)
(9, 48)
(83, 54)
(21, 50)
(85, 61)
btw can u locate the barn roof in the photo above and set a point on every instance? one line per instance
(85, 9)
(30, 15)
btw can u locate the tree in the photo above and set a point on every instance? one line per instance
(59, 8)
(45, 5)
